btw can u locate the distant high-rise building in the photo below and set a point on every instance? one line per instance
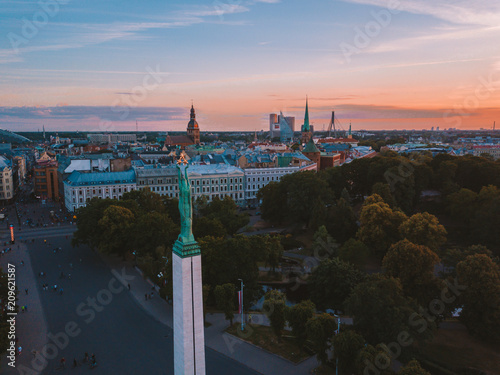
(279, 124)
(274, 125)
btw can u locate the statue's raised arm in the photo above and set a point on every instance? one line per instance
(185, 203)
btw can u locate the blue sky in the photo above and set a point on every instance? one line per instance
(87, 65)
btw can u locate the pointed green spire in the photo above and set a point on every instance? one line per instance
(306, 127)
(310, 147)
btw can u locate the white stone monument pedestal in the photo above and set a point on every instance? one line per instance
(189, 337)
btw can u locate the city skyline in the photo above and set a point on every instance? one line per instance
(379, 64)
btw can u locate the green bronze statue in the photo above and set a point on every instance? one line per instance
(185, 204)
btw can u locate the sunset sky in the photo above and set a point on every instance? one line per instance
(103, 65)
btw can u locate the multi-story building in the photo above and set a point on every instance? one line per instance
(279, 124)
(6, 181)
(257, 178)
(493, 150)
(46, 180)
(80, 187)
(216, 180)
(20, 161)
(111, 138)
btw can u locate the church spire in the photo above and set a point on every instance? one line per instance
(193, 115)
(306, 127)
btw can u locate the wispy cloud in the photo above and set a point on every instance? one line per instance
(471, 12)
(437, 35)
(78, 35)
(93, 112)
(368, 111)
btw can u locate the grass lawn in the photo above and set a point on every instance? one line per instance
(263, 336)
(454, 346)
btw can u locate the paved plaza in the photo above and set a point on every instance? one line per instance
(95, 312)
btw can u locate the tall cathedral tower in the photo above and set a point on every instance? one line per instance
(193, 130)
(306, 128)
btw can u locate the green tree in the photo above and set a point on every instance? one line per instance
(224, 299)
(117, 222)
(324, 246)
(146, 200)
(373, 359)
(346, 347)
(414, 266)
(381, 311)
(274, 251)
(486, 220)
(227, 260)
(413, 368)
(274, 307)
(226, 211)
(341, 221)
(354, 252)
(205, 226)
(403, 186)
(303, 189)
(297, 317)
(379, 225)
(152, 230)
(273, 197)
(87, 217)
(424, 229)
(320, 330)
(455, 255)
(461, 205)
(481, 297)
(384, 191)
(332, 282)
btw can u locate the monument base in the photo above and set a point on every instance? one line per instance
(189, 337)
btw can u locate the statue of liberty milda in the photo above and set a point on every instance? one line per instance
(185, 204)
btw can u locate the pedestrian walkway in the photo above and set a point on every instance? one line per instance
(31, 326)
(215, 338)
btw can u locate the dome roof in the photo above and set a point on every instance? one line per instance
(192, 123)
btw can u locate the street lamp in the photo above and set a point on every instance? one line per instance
(242, 322)
(338, 331)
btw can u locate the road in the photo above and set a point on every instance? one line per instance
(102, 316)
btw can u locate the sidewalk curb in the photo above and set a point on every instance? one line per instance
(267, 351)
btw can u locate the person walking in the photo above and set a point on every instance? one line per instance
(128, 285)
(26, 290)
(63, 362)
